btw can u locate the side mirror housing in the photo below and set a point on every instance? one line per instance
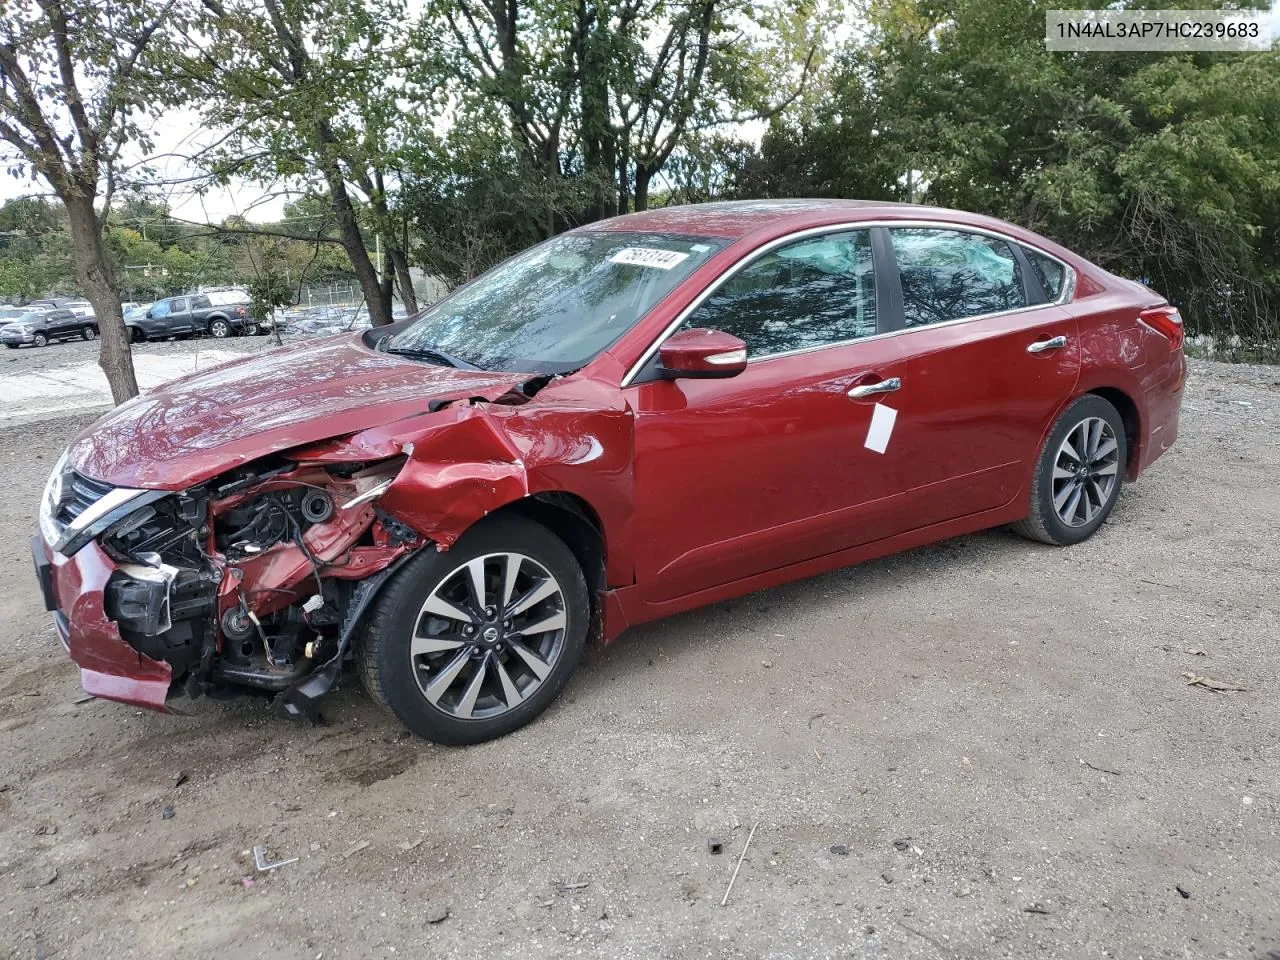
(702, 354)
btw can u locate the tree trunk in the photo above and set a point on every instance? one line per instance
(400, 263)
(643, 176)
(353, 243)
(98, 282)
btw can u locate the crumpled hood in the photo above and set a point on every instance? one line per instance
(200, 425)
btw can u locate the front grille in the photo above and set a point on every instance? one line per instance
(79, 493)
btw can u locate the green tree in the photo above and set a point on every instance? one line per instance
(76, 77)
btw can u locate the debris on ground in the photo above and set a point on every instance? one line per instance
(1209, 683)
(180, 779)
(1195, 651)
(715, 846)
(1183, 892)
(729, 889)
(1036, 908)
(887, 877)
(1114, 773)
(83, 699)
(362, 845)
(247, 881)
(39, 878)
(167, 812)
(902, 844)
(260, 860)
(437, 913)
(840, 850)
(46, 829)
(568, 887)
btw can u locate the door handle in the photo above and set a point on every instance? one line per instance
(1040, 346)
(871, 389)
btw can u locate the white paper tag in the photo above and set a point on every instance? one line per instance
(881, 429)
(649, 257)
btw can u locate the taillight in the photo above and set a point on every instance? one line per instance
(1167, 322)
(240, 312)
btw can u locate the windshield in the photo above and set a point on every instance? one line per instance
(554, 307)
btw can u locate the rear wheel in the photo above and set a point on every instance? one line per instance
(219, 329)
(1078, 474)
(40, 340)
(473, 643)
(88, 333)
(250, 329)
(137, 335)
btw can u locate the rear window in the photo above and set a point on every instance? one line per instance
(199, 303)
(1051, 273)
(223, 298)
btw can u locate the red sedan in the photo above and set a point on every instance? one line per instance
(638, 417)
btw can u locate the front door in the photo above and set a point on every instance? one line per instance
(777, 465)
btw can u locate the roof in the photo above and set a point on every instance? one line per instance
(734, 219)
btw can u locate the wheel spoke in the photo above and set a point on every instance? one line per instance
(1086, 504)
(423, 645)
(1095, 438)
(444, 679)
(440, 607)
(1099, 492)
(535, 663)
(1107, 447)
(467, 705)
(475, 584)
(543, 590)
(1107, 470)
(511, 570)
(510, 693)
(1073, 505)
(1061, 473)
(554, 622)
(1060, 500)
(1070, 451)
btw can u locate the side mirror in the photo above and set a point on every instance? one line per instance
(702, 354)
(149, 315)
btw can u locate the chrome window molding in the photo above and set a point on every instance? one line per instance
(1068, 287)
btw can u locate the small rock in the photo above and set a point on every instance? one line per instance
(436, 913)
(46, 830)
(839, 849)
(903, 844)
(887, 877)
(40, 878)
(868, 929)
(166, 812)
(964, 890)
(191, 882)
(766, 664)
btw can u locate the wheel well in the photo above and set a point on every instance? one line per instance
(1128, 411)
(571, 519)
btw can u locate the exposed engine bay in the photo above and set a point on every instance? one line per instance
(250, 579)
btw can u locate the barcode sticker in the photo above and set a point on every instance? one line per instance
(649, 257)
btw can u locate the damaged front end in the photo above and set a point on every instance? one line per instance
(255, 579)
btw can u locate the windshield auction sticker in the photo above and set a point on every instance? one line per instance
(649, 257)
(1141, 31)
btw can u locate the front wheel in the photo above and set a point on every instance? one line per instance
(137, 335)
(473, 643)
(40, 340)
(1078, 474)
(219, 329)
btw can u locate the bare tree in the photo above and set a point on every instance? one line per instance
(74, 78)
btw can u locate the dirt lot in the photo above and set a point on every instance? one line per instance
(1018, 712)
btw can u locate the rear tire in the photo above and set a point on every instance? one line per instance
(136, 335)
(88, 333)
(219, 329)
(249, 330)
(459, 673)
(1078, 474)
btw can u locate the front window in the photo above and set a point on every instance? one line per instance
(554, 307)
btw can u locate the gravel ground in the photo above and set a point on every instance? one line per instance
(985, 747)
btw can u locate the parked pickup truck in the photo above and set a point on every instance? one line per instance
(219, 314)
(40, 326)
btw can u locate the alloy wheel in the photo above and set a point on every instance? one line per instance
(488, 635)
(40, 340)
(88, 333)
(220, 329)
(1085, 471)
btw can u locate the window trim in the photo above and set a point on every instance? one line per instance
(1068, 287)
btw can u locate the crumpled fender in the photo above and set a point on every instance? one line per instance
(472, 458)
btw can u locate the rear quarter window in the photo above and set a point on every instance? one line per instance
(1051, 274)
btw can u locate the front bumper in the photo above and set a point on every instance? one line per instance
(74, 591)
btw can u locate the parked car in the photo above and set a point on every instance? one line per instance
(38, 327)
(632, 419)
(10, 314)
(219, 314)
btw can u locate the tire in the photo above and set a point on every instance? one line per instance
(219, 328)
(137, 335)
(510, 692)
(88, 333)
(1056, 515)
(40, 340)
(12, 346)
(249, 330)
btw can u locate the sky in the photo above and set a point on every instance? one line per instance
(180, 134)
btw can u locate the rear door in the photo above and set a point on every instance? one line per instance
(180, 315)
(987, 360)
(63, 322)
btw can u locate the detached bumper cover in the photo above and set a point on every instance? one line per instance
(109, 667)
